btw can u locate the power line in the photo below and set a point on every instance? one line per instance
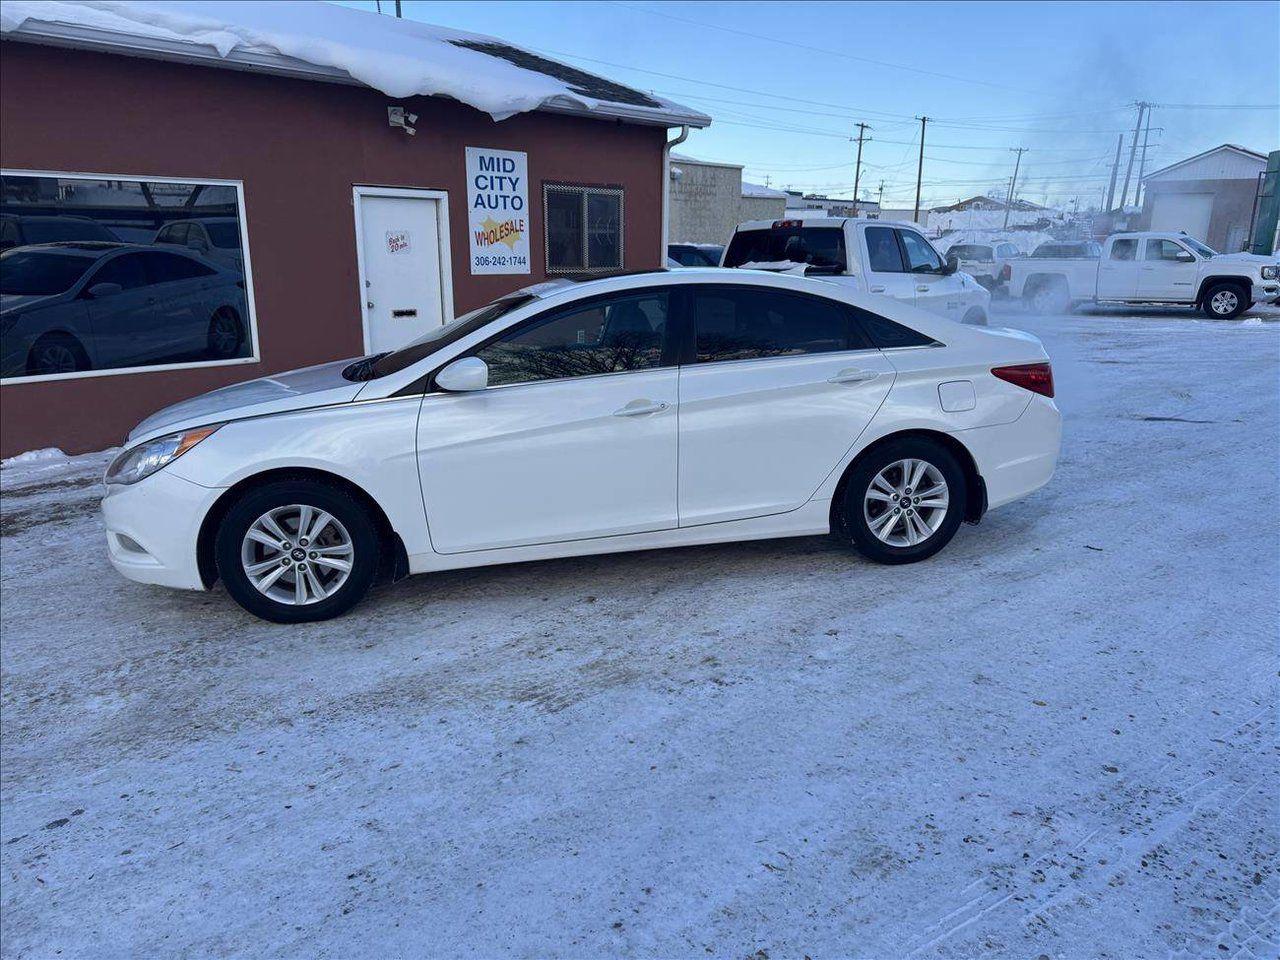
(823, 50)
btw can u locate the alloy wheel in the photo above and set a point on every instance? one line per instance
(224, 335)
(1224, 302)
(906, 502)
(55, 358)
(297, 554)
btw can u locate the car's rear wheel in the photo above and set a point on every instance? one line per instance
(56, 353)
(1224, 301)
(1050, 297)
(297, 550)
(225, 334)
(904, 501)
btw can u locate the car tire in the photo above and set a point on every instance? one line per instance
(248, 566)
(1049, 297)
(56, 353)
(877, 484)
(975, 318)
(226, 334)
(1224, 301)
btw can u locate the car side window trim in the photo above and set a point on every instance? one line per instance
(688, 357)
(666, 361)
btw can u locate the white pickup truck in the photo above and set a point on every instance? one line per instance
(1149, 268)
(874, 256)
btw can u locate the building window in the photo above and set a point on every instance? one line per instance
(112, 275)
(584, 228)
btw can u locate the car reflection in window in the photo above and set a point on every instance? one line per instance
(74, 306)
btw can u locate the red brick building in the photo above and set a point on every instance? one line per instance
(176, 216)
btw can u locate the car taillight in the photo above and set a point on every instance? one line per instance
(1036, 377)
(787, 224)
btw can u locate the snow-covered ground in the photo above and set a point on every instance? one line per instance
(1057, 738)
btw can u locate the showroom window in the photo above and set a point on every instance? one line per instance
(111, 275)
(584, 228)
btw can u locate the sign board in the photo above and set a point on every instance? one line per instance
(498, 210)
(398, 241)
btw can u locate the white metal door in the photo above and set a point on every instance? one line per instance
(1163, 276)
(1183, 211)
(551, 461)
(404, 279)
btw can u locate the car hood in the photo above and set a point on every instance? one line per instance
(1253, 259)
(279, 393)
(22, 301)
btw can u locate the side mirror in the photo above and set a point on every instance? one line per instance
(100, 290)
(951, 266)
(1184, 257)
(464, 375)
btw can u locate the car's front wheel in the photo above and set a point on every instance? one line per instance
(1225, 301)
(293, 551)
(904, 501)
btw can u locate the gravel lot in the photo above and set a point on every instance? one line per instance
(1058, 737)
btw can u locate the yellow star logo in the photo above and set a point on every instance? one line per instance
(495, 229)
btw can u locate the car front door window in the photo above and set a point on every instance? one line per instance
(608, 336)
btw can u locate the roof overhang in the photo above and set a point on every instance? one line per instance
(273, 63)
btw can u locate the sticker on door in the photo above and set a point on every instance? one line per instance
(398, 241)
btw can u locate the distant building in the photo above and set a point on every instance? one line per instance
(1211, 196)
(983, 212)
(834, 206)
(709, 199)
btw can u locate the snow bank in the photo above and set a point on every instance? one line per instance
(50, 463)
(402, 58)
(760, 190)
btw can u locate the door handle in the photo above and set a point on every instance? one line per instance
(879, 289)
(922, 288)
(639, 408)
(854, 376)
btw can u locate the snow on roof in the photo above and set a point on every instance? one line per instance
(760, 190)
(401, 58)
(685, 158)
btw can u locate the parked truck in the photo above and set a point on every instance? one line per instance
(1164, 268)
(874, 256)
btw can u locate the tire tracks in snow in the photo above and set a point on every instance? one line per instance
(1056, 878)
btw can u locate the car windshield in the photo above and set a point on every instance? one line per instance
(396, 360)
(35, 273)
(1199, 247)
(816, 246)
(224, 234)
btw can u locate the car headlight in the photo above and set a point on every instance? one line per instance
(140, 462)
(1270, 273)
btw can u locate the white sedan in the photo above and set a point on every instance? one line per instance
(635, 412)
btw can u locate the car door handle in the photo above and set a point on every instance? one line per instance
(639, 408)
(879, 289)
(854, 376)
(922, 287)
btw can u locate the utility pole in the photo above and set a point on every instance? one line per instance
(767, 178)
(1013, 183)
(880, 199)
(920, 168)
(857, 167)
(399, 12)
(1115, 169)
(1142, 160)
(1133, 149)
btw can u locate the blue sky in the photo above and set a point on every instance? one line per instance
(785, 82)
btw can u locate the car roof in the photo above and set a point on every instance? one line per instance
(826, 222)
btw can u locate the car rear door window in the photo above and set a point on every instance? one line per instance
(164, 267)
(126, 270)
(1126, 249)
(886, 334)
(610, 335)
(746, 323)
(883, 253)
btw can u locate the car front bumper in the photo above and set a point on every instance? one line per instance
(1267, 291)
(153, 526)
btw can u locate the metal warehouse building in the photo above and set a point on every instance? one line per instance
(190, 201)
